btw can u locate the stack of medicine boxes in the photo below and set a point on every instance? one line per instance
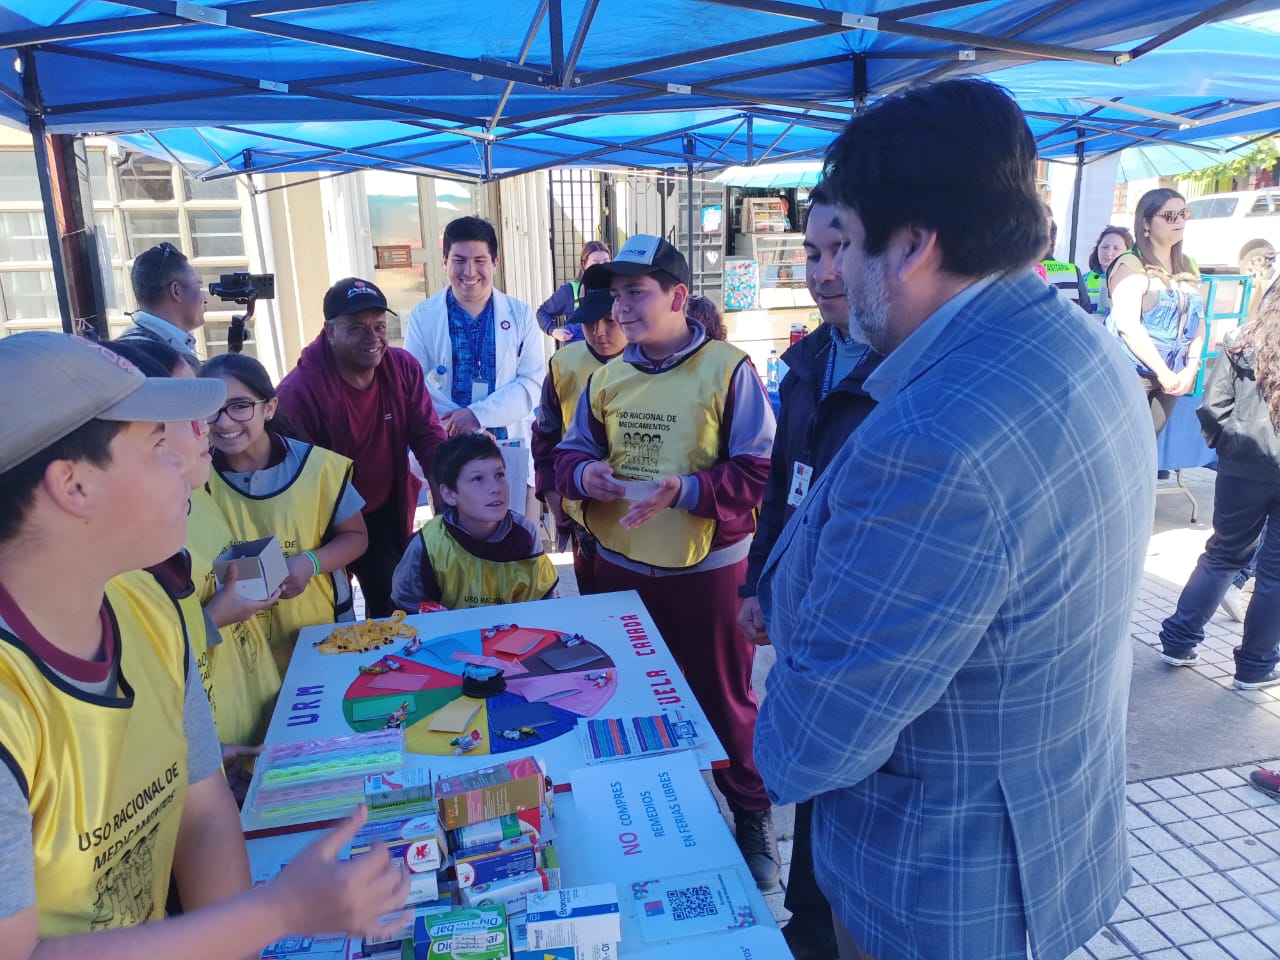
(474, 847)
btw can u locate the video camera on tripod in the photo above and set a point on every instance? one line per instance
(247, 289)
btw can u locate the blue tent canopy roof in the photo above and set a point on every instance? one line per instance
(523, 84)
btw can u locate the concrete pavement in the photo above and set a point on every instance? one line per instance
(1205, 845)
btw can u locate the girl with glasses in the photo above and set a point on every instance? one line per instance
(1156, 307)
(269, 484)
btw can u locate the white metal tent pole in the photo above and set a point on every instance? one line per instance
(688, 186)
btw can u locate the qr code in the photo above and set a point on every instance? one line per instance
(690, 903)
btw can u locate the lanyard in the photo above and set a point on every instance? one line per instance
(830, 375)
(474, 329)
(474, 332)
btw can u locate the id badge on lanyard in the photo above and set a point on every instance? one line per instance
(798, 489)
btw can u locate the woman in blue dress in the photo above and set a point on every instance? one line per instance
(1156, 307)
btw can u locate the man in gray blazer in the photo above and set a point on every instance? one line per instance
(950, 606)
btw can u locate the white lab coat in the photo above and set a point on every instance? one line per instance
(519, 362)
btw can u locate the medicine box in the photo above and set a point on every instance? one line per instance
(520, 944)
(397, 788)
(495, 861)
(259, 564)
(527, 822)
(491, 792)
(586, 918)
(472, 933)
(509, 894)
(424, 885)
(416, 837)
(330, 946)
(391, 945)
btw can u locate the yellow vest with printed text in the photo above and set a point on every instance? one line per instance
(239, 674)
(469, 581)
(660, 425)
(570, 368)
(105, 776)
(300, 515)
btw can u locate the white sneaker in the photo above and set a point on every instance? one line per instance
(1233, 604)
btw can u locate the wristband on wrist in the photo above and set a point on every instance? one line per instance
(315, 561)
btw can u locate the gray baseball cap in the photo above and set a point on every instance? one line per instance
(52, 383)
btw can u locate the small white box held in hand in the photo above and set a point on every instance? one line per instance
(259, 565)
(639, 489)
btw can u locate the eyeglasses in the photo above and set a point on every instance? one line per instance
(241, 411)
(1173, 216)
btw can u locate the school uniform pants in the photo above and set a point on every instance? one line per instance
(696, 613)
(377, 566)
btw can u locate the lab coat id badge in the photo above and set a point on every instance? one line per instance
(801, 477)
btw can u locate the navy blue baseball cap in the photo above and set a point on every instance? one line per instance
(353, 295)
(640, 255)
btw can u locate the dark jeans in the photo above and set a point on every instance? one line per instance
(387, 540)
(1162, 404)
(1240, 510)
(1245, 575)
(804, 900)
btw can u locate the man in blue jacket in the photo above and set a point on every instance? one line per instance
(950, 605)
(822, 402)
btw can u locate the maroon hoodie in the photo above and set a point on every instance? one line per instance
(315, 399)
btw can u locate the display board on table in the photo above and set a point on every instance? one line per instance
(563, 661)
(652, 829)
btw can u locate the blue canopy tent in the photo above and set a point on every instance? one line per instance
(517, 85)
(517, 82)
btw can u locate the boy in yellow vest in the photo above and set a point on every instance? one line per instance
(110, 770)
(567, 375)
(667, 455)
(478, 552)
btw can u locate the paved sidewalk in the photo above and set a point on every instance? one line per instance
(1205, 845)
(1205, 852)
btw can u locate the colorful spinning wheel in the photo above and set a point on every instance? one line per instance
(552, 679)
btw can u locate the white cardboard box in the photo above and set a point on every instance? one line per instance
(259, 564)
(585, 918)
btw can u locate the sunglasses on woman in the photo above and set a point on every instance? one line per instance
(1173, 216)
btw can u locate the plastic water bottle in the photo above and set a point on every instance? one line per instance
(436, 377)
(771, 372)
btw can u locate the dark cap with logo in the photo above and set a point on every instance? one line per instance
(353, 295)
(640, 255)
(593, 306)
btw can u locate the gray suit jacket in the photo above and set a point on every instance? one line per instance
(950, 609)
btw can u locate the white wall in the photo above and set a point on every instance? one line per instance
(524, 235)
(1097, 192)
(348, 238)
